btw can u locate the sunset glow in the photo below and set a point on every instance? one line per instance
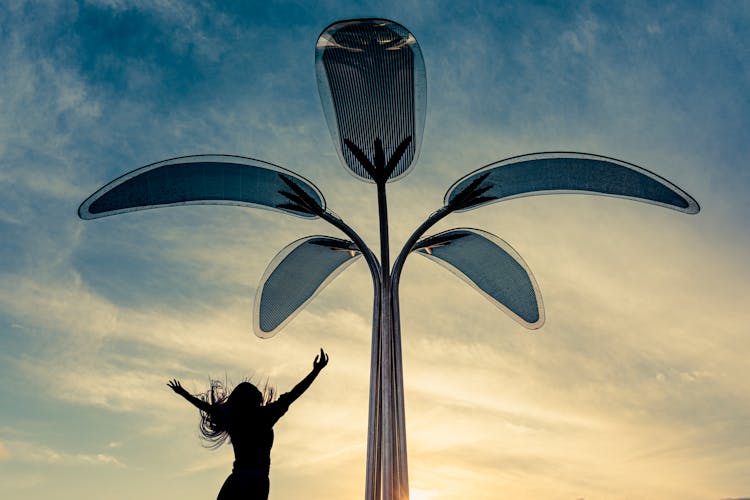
(634, 387)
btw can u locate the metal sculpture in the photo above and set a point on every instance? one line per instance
(371, 80)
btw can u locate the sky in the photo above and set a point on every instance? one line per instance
(636, 386)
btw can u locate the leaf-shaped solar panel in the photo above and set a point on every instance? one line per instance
(295, 276)
(200, 180)
(491, 266)
(371, 80)
(550, 173)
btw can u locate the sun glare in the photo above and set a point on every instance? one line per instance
(417, 494)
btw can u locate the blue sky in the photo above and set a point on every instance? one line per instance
(634, 388)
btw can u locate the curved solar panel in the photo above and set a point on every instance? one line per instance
(372, 83)
(550, 173)
(200, 180)
(491, 266)
(295, 276)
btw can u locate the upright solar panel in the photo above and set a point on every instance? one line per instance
(372, 83)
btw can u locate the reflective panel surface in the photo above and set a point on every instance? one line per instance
(201, 180)
(492, 267)
(550, 173)
(295, 276)
(372, 84)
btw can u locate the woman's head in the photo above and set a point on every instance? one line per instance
(245, 396)
(228, 405)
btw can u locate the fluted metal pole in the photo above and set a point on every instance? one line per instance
(388, 445)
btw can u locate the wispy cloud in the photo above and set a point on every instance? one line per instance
(34, 453)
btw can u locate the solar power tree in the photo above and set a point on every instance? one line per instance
(372, 84)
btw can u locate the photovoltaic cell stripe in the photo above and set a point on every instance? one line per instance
(371, 80)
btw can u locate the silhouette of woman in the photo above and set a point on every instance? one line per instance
(248, 421)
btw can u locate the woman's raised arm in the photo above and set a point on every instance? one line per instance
(319, 363)
(175, 385)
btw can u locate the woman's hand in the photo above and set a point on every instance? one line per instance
(321, 361)
(175, 385)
